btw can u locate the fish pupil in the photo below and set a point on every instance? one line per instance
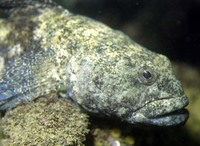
(146, 74)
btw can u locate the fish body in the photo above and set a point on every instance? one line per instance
(47, 49)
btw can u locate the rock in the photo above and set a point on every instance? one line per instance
(49, 121)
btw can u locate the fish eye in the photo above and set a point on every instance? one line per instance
(146, 75)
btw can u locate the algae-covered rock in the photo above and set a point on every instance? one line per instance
(50, 121)
(112, 137)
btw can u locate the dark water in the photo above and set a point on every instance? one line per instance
(146, 135)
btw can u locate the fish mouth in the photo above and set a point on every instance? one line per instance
(178, 117)
(169, 111)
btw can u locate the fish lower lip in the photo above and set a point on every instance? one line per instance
(174, 118)
(175, 113)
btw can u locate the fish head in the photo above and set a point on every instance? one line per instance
(136, 86)
(162, 98)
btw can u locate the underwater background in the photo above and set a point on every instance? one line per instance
(169, 27)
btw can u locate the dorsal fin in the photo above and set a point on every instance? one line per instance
(8, 4)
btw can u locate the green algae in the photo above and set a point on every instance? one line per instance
(50, 121)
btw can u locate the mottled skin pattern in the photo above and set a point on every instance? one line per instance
(48, 49)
